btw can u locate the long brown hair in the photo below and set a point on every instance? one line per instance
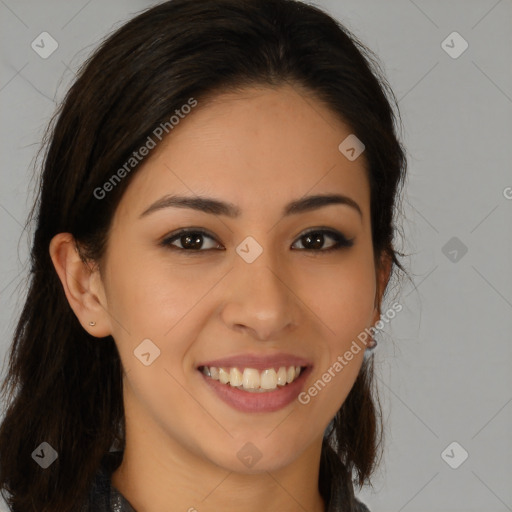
(63, 386)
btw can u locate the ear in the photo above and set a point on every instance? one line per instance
(82, 285)
(382, 274)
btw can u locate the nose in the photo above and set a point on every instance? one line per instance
(261, 300)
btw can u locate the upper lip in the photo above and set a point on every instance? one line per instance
(258, 362)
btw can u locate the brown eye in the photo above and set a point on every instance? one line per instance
(314, 240)
(191, 241)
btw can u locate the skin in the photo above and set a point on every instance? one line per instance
(259, 149)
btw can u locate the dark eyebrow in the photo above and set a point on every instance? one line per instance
(216, 207)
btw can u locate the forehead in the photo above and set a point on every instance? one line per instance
(258, 148)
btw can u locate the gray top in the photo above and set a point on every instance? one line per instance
(104, 497)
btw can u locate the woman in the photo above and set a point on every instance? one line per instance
(213, 245)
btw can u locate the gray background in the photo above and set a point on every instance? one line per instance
(444, 362)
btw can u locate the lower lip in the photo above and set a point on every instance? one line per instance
(268, 401)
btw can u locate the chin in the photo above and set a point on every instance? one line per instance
(249, 459)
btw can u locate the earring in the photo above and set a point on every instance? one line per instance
(371, 344)
(92, 323)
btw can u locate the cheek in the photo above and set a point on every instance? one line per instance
(345, 307)
(151, 298)
(342, 296)
(147, 294)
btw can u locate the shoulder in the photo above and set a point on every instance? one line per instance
(98, 498)
(102, 497)
(361, 507)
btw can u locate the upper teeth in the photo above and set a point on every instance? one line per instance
(253, 380)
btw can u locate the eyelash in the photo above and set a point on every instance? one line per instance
(341, 241)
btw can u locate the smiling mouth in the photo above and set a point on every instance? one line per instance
(253, 380)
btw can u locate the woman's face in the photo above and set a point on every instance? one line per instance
(254, 287)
